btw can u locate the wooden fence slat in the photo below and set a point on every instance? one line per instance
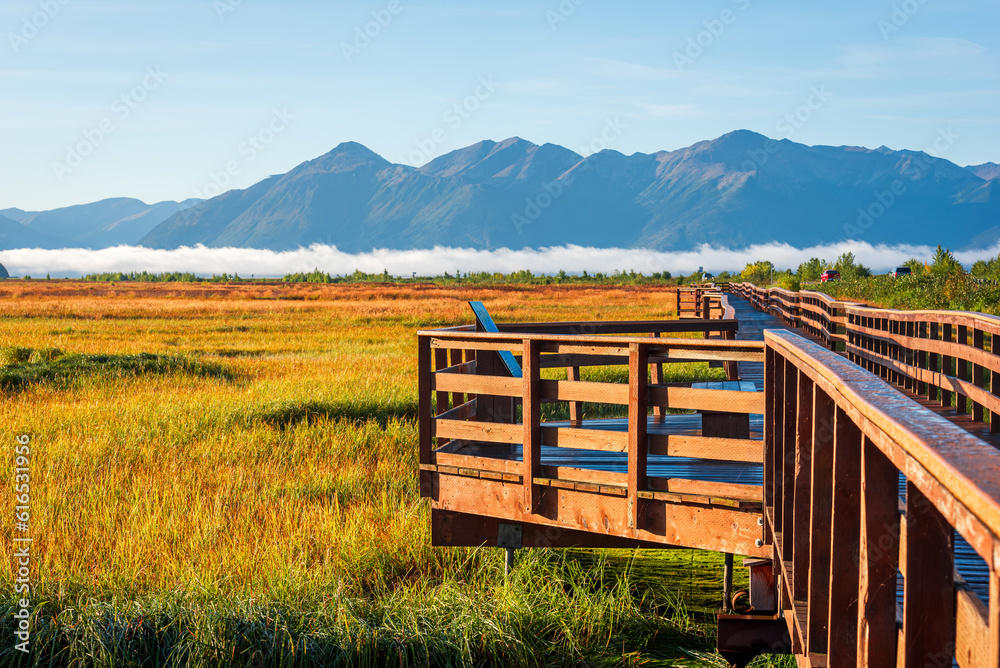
(790, 408)
(845, 521)
(878, 559)
(637, 444)
(929, 587)
(531, 418)
(824, 416)
(803, 484)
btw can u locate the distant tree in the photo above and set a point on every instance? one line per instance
(917, 267)
(945, 264)
(848, 268)
(758, 273)
(812, 269)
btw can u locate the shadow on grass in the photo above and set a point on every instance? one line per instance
(21, 368)
(310, 412)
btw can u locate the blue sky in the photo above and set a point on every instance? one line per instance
(166, 100)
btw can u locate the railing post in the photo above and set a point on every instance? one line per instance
(789, 407)
(575, 407)
(878, 559)
(824, 416)
(929, 587)
(656, 377)
(424, 411)
(770, 362)
(531, 417)
(638, 447)
(946, 363)
(994, 612)
(962, 370)
(845, 536)
(803, 480)
(977, 374)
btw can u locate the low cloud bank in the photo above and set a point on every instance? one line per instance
(73, 262)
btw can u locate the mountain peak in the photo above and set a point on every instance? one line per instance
(987, 171)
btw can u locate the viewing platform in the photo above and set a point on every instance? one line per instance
(529, 438)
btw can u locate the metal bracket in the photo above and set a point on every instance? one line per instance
(509, 535)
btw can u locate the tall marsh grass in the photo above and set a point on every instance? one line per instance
(227, 477)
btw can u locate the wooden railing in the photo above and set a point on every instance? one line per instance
(470, 430)
(946, 356)
(836, 441)
(703, 301)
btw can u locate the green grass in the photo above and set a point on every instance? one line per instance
(21, 367)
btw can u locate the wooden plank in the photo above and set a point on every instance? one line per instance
(789, 422)
(878, 559)
(655, 378)
(845, 521)
(993, 631)
(709, 488)
(585, 439)
(696, 526)
(637, 443)
(455, 360)
(583, 475)
(453, 460)
(602, 393)
(803, 486)
(575, 407)
(464, 411)
(701, 447)
(424, 410)
(771, 357)
(972, 644)
(929, 583)
(531, 418)
(500, 386)
(977, 374)
(688, 398)
(489, 432)
(819, 521)
(777, 424)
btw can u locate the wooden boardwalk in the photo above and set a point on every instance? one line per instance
(869, 511)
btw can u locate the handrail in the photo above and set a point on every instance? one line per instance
(946, 356)
(839, 439)
(468, 414)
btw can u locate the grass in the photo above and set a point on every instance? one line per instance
(226, 475)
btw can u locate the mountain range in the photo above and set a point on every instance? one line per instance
(739, 189)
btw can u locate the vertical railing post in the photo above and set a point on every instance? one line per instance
(777, 425)
(770, 362)
(929, 587)
(656, 377)
(424, 411)
(803, 483)
(878, 559)
(575, 407)
(994, 613)
(638, 447)
(789, 408)
(824, 416)
(845, 535)
(977, 375)
(531, 418)
(962, 370)
(946, 363)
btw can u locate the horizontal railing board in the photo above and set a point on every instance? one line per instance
(964, 465)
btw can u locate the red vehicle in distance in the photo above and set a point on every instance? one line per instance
(829, 275)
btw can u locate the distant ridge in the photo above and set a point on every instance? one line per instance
(733, 191)
(109, 222)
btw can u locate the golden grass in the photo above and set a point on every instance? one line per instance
(298, 475)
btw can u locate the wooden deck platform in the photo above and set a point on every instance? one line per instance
(805, 474)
